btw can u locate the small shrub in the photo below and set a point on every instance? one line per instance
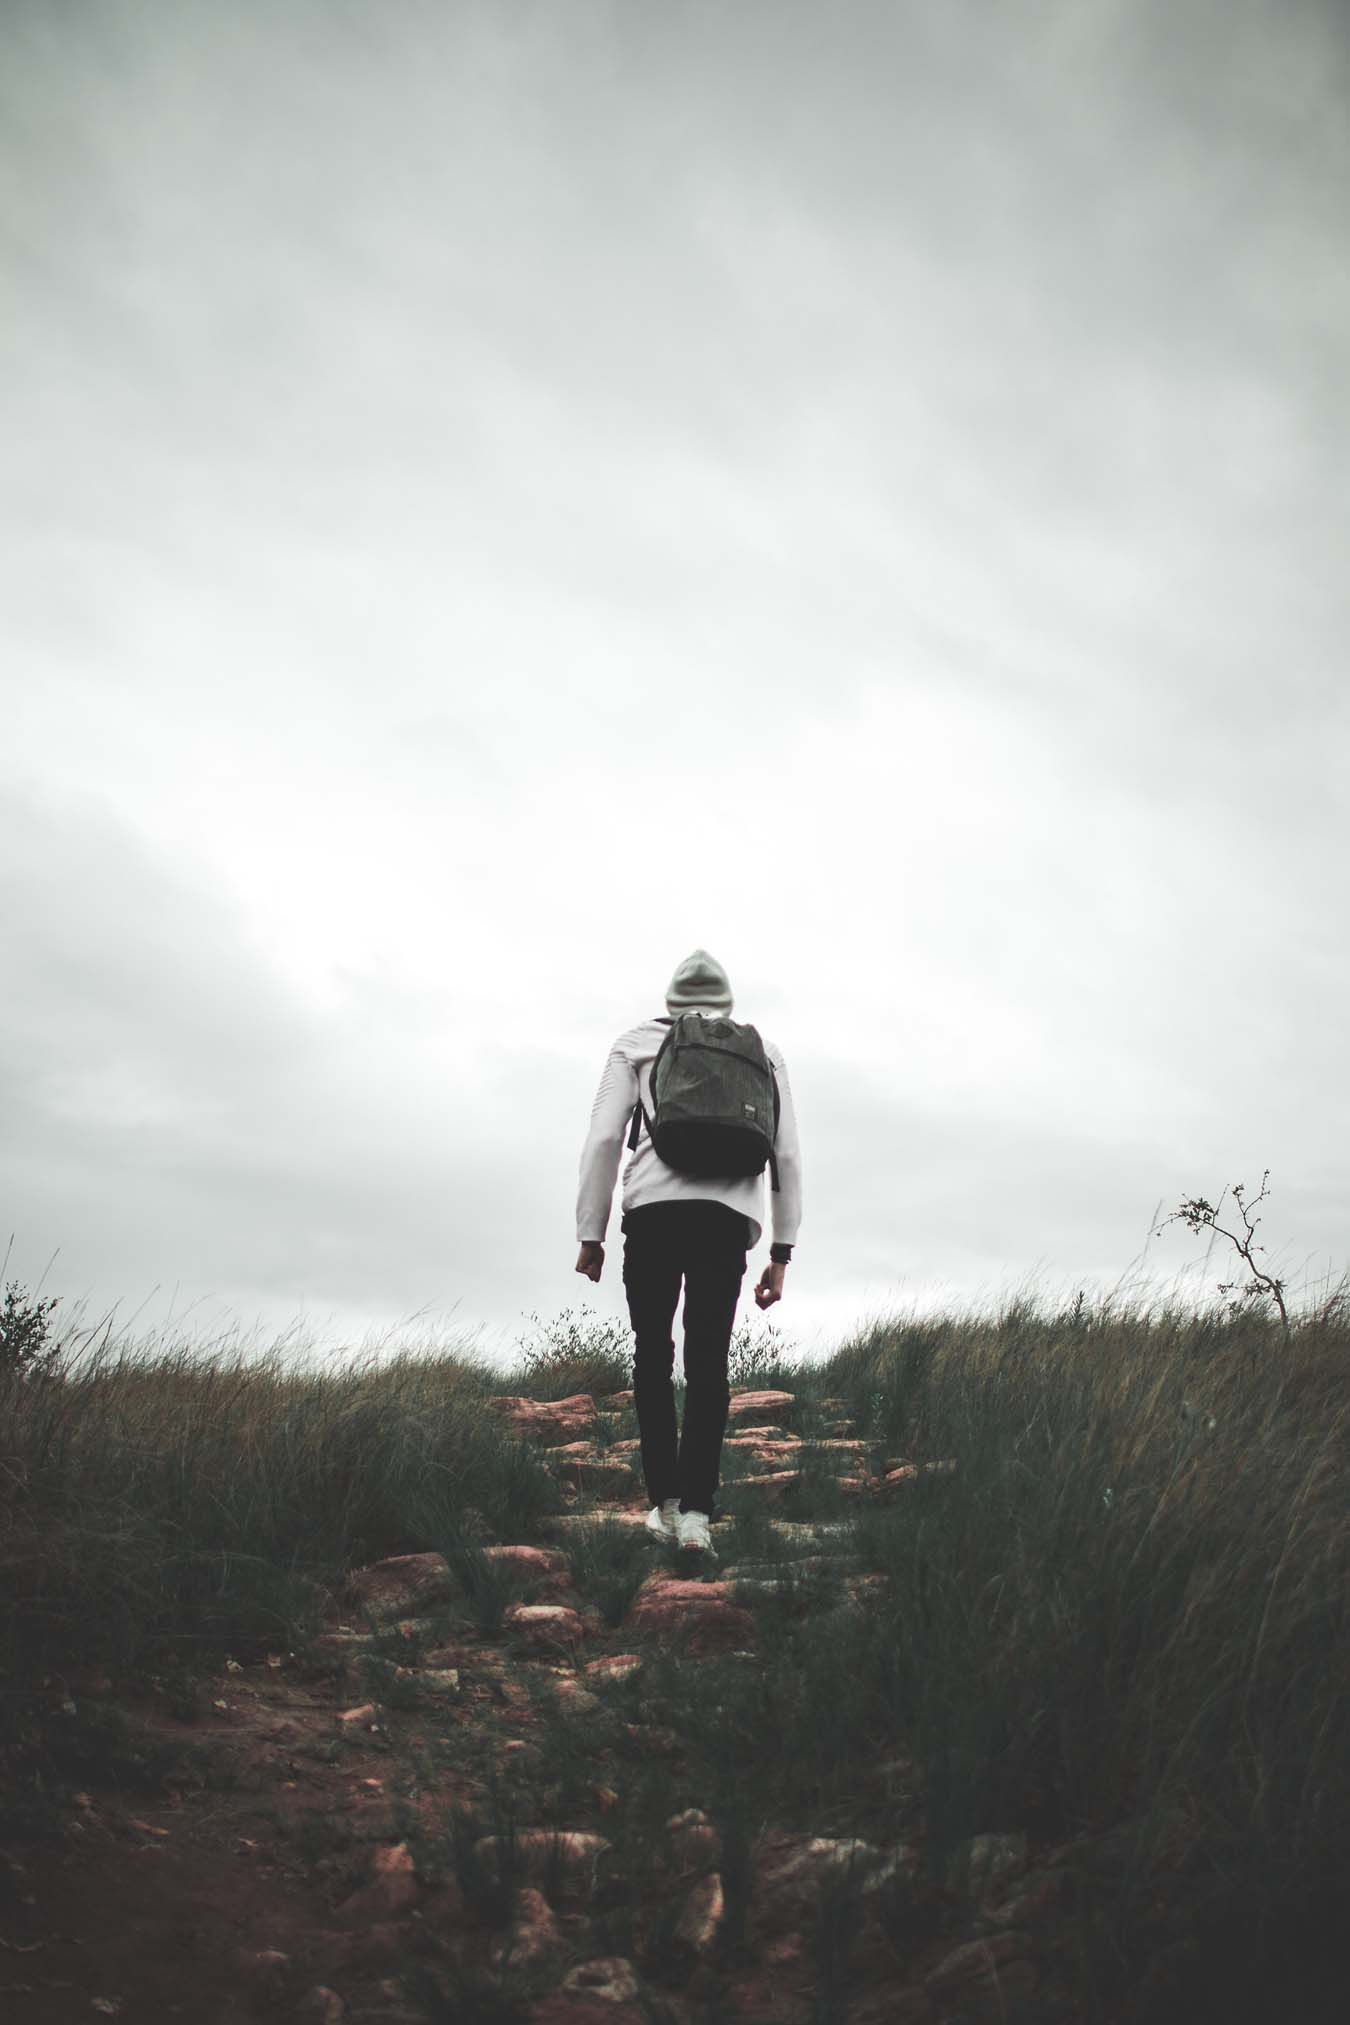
(25, 1349)
(756, 1357)
(578, 1353)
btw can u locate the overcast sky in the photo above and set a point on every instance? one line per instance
(494, 496)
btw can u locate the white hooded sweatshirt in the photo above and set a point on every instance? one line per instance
(647, 1178)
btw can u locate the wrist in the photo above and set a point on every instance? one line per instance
(780, 1254)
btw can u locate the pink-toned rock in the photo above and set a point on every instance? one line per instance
(610, 1978)
(743, 1403)
(897, 1474)
(777, 1455)
(631, 1446)
(266, 1969)
(550, 1422)
(573, 1698)
(585, 1447)
(566, 1524)
(614, 1666)
(433, 1680)
(537, 1850)
(790, 1873)
(321, 2006)
(548, 1563)
(357, 1718)
(616, 1401)
(392, 1887)
(544, 1624)
(533, 1939)
(603, 1479)
(703, 1615)
(401, 1586)
(701, 1915)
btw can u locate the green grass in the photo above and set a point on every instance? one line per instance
(1125, 1616)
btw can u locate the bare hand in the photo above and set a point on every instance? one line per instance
(770, 1288)
(591, 1260)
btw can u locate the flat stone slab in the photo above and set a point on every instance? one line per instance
(551, 1422)
(613, 1666)
(549, 1563)
(705, 1614)
(567, 1523)
(536, 1850)
(743, 1403)
(545, 1624)
(909, 1473)
(433, 1680)
(401, 1586)
(810, 1529)
(588, 1473)
(764, 1444)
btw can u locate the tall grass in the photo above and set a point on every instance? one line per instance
(145, 1500)
(1131, 1606)
(1124, 1617)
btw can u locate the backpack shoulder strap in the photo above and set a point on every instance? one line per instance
(639, 1116)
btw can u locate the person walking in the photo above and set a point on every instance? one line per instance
(680, 1227)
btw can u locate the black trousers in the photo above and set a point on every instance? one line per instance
(703, 1245)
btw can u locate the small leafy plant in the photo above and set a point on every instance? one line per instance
(25, 1348)
(1198, 1214)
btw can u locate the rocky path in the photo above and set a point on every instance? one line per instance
(325, 1849)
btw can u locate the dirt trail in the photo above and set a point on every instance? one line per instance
(300, 1863)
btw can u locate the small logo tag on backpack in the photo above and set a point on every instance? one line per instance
(749, 1110)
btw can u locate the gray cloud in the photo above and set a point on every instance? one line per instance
(498, 497)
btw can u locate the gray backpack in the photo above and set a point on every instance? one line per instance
(715, 1100)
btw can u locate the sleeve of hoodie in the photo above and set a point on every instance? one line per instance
(786, 1199)
(600, 1156)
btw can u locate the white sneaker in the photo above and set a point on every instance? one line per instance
(695, 1530)
(662, 1519)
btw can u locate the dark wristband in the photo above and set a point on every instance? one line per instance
(780, 1254)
